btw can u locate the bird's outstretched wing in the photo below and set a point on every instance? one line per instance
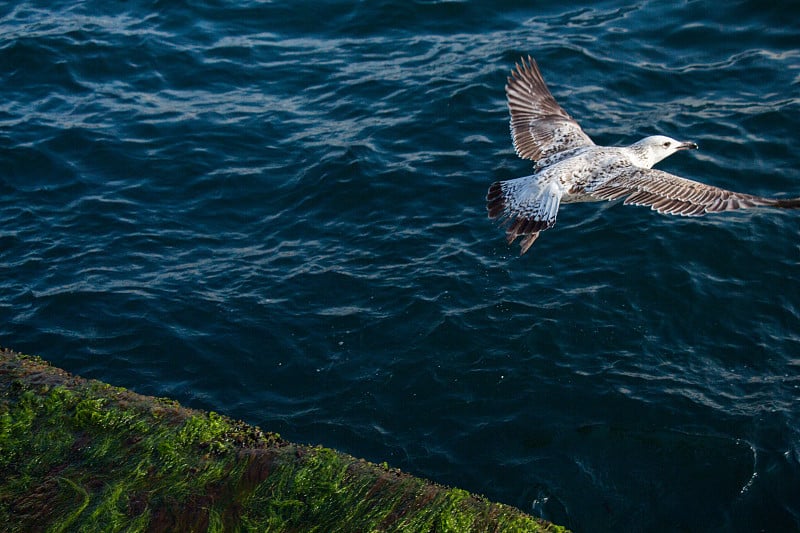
(673, 195)
(527, 205)
(539, 126)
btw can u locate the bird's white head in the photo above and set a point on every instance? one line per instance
(653, 149)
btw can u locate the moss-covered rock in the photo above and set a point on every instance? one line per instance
(80, 455)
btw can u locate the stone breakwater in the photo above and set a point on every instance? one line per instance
(78, 453)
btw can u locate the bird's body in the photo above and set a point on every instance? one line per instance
(571, 168)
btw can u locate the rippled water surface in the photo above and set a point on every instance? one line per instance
(275, 210)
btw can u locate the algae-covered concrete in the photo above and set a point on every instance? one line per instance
(81, 455)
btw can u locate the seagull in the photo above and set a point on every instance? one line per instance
(570, 168)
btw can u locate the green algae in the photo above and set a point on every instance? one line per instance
(80, 455)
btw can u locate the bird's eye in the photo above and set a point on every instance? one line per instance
(666, 144)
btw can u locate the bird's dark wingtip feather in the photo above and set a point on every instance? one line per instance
(789, 203)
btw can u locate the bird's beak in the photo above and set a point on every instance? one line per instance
(687, 146)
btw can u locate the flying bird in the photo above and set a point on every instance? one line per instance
(569, 168)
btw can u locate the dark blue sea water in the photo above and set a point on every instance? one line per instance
(275, 210)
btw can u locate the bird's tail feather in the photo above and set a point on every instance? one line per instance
(538, 215)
